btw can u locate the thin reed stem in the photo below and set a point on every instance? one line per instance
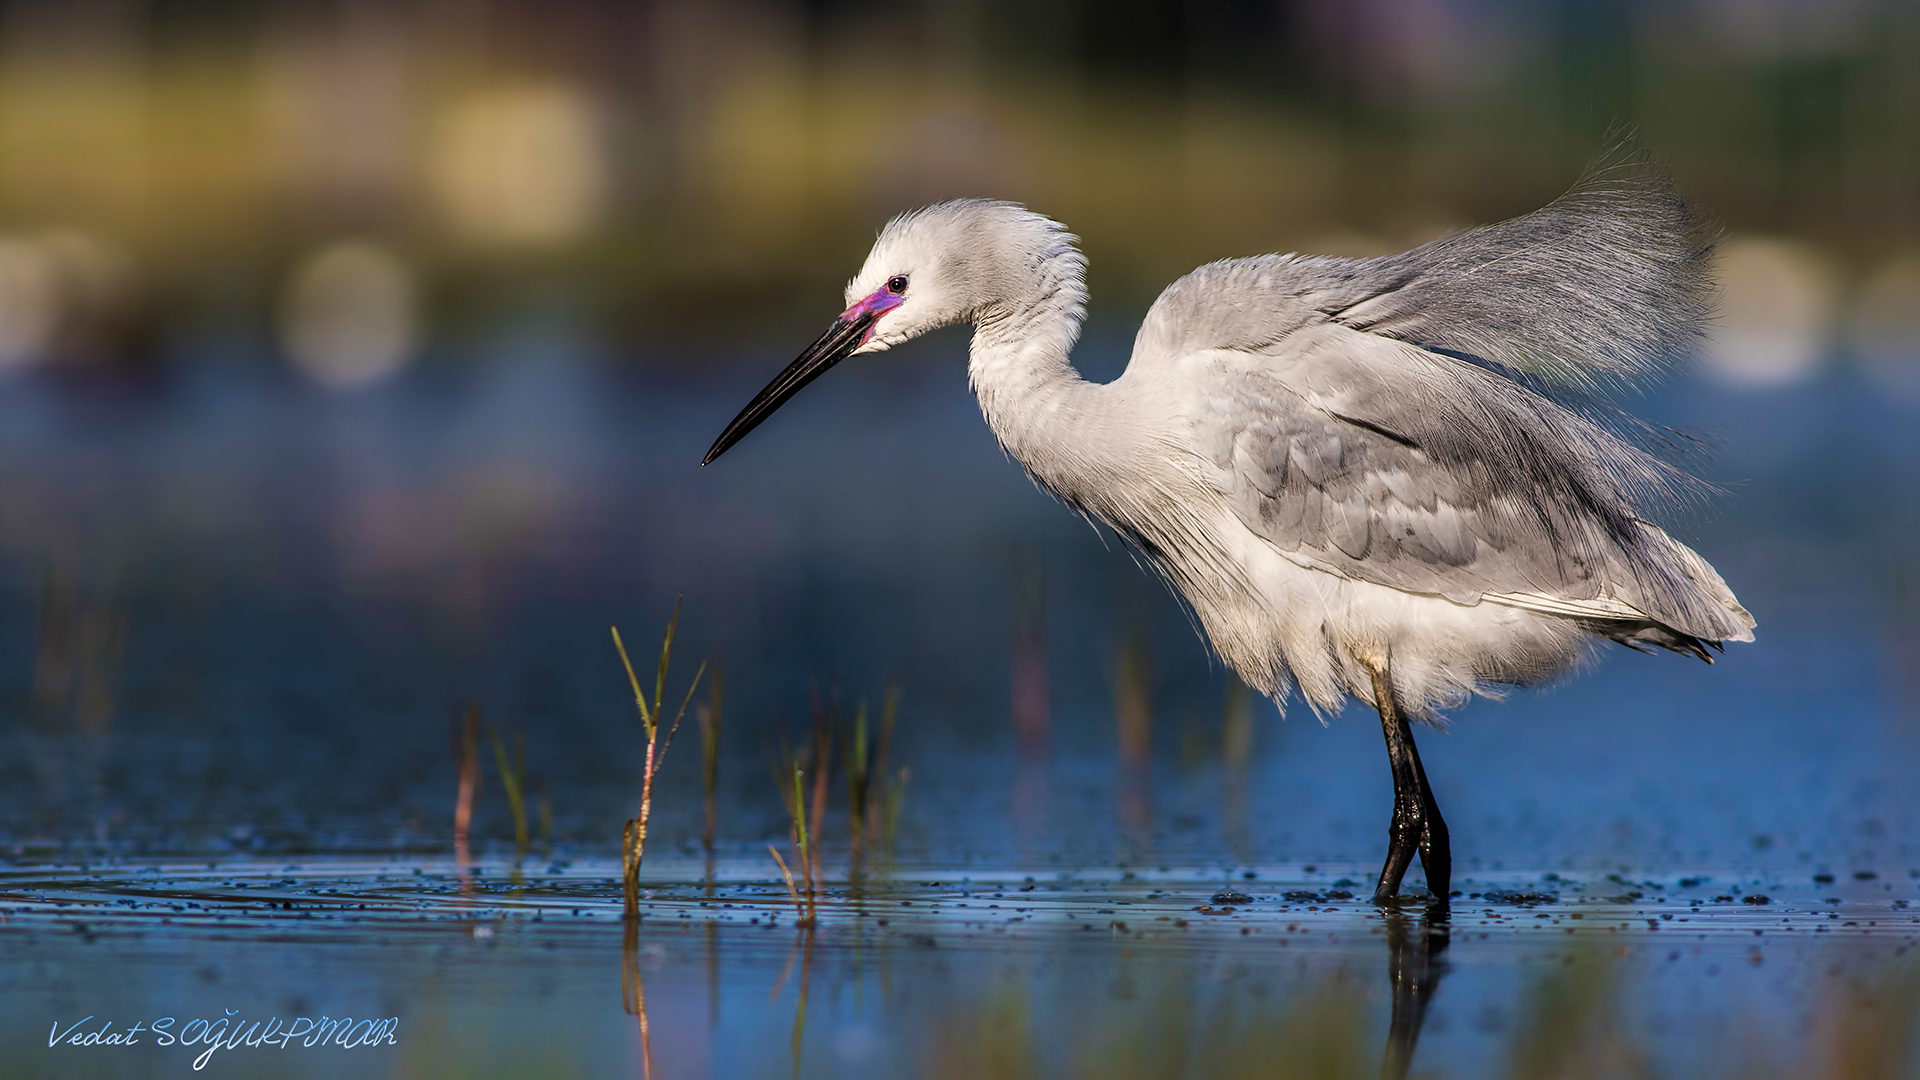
(634, 838)
(512, 780)
(799, 909)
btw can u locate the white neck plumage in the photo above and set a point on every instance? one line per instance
(1020, 368)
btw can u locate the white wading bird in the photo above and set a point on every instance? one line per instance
(1383, 477)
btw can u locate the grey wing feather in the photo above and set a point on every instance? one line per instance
(1432, 470)
(1608, 283)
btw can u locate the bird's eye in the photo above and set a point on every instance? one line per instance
(897, 284)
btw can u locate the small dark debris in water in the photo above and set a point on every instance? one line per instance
(1756, 899)
(1248, 876)
(1692, 882)
(1339, 894)
(1345, 883)
(1864, 875)
(1823, 879)
(1231, 896)
(1723, 899)
(1621, 899)
(1519, 896)
(1899, 903)
(1833, 899)
(1303, 896)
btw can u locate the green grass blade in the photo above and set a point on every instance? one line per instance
(639, 695)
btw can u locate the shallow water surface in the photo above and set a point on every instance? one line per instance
(493, 971)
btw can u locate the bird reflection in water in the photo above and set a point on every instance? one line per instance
(1415, 965)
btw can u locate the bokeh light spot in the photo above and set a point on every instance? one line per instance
(520, 166)
(348, 317)
(1776, 312)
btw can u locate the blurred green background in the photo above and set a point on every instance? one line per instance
(346, 183)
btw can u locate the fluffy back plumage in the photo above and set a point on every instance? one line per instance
(1609, 283)
(1470, 459)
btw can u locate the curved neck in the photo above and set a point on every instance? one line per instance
(1032, 397)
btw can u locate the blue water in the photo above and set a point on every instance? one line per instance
(238, 617)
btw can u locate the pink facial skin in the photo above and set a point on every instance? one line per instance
(881, 302)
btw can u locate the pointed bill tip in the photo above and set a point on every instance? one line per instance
(838, 343)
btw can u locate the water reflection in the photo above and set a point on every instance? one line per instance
(633, 991)
(1415, 965)
(803, 954)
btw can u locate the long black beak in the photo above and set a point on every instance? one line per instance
(835, 345)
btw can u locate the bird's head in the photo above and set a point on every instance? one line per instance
(947, 263)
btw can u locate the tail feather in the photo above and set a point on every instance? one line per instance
(1645, 636)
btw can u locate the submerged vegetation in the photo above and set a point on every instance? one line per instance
(709, 717)
(803, 778)
(513, 775)
(466, 757)
(867, 807)
(634, 839)
(792, 783)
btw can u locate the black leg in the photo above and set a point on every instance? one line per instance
(1417, 826)
(1436, 849)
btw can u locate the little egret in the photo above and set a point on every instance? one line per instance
(1394, 478)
